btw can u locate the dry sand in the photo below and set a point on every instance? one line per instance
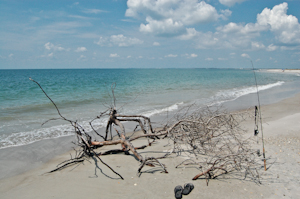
(282, 142)
(297, 71)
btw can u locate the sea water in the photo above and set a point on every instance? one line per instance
(27, 115)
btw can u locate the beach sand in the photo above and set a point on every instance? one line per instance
(281, 129)
(296, 71)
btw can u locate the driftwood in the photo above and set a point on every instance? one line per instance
(214, 142)
(208, 138)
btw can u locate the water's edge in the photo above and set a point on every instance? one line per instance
(19, 159)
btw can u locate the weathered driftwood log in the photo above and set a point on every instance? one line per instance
(209, 137)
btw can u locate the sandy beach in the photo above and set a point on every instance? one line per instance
(296, 71)
(92, 179)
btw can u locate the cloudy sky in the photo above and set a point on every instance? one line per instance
(149, 34)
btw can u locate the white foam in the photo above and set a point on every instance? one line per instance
(28, 137)
(233, 94)
(158, 111)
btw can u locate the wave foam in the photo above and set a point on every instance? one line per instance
(233, 94)
(170, 108)
(28, 137)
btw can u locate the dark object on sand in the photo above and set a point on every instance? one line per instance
(178, 192)
(187, 188)
(256, 132)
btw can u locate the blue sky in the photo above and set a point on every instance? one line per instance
(149, 34)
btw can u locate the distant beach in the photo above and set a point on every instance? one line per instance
(297, 71)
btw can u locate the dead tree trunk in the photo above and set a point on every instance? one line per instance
(212, 140)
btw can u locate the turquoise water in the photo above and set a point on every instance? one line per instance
(81, 94)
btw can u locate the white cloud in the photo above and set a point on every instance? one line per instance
(118, 40)
(222, 59)
(257, 60)
(239, 36)
(190, 34)
(50, 55)
(81, 49)
(209, 59)
(162, 27)
(257, 45)
(114, 55)
(230, 36)
(285, 27)
(129, 56)
(171, 17)
(225, 14)
(10, 55)
(50, 46)
(271, 47)
(194, 55)
(171, 55)
(93, 11)
(156, 44)
(245, 55)
(82, 58)
(175, 18)
(230, 2)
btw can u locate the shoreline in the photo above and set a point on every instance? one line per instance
(282, 137)
(33, 155)
(295, 71)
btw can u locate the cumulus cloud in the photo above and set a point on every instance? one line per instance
(171, 55)
(286, 27)
(190, 34)
(271, 47)
(162, 27)
(156, 44)
(231, 35)
(209, 59)
(245, 55)
(48, 55)
(194, 55)
(81, 49)
(82, 58)
(118, 40)
(171, 17)
(114, 55)
(50, 46)
(257, 45)
(230, 2)
(225, 14)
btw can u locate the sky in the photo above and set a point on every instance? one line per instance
(37, 34)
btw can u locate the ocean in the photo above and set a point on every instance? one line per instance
(82, 94)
